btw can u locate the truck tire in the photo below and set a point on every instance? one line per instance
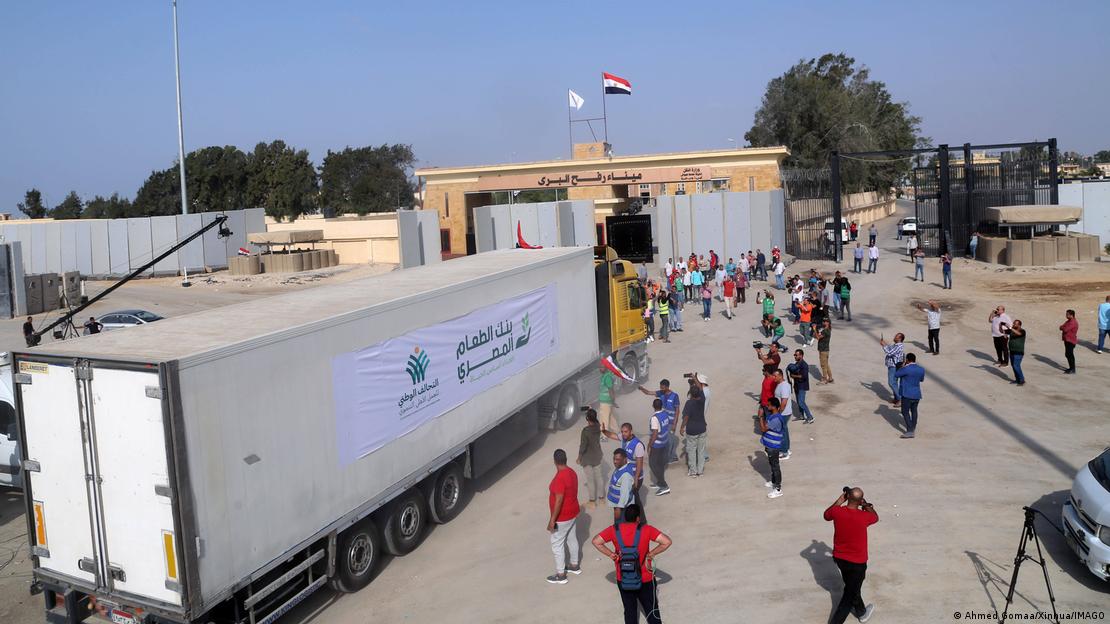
(405, 521)
(358, 552)
(445, 496)
(566, 407)
(631, 365)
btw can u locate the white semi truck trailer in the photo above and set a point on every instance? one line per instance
(222, 466)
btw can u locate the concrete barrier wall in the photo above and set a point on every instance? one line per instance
(115, 247)
(355, 240)
(418, 232)
(1094, 198)
(727, 223)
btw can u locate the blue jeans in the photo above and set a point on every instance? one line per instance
(919, 271)
(1102, 333)
(948, 278)
(1015, 361)
(785, 448)
(872, 265)
(858, 265)
(909, 413)
(972, 248)
(676, 319)
(836, 301)
(706, 304)
(803, 328)
(803, 409)
(779, 283)
(894, 383)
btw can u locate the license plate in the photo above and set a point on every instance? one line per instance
(122, 617)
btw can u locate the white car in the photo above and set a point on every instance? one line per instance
(830, 232)
(1086, 516)
(127, 318)
(9, 442)
(907, 226)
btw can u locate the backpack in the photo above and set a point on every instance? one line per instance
(628, 561)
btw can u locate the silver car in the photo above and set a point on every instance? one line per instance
(127, 318)
(1086, 516)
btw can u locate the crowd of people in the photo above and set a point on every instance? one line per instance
(678, 425)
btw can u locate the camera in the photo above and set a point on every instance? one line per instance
(757, 344)
(847, 490)
(688, 375)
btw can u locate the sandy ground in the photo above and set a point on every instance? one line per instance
(949, 501)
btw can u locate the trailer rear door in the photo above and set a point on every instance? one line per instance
(109, 518)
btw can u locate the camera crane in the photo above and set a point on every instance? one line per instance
(67, 318)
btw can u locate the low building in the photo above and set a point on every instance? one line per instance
(615, 183)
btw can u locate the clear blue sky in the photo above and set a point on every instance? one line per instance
(87, 92)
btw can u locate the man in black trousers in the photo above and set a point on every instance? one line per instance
(851, 514)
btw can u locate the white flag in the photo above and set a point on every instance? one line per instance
(576, 100)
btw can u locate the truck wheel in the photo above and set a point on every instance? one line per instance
(405, 523)
(359, 550)
(566, 407)
(631, 365)
(445, 497)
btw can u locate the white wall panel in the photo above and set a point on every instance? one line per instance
(53, 237)
(777, 206)
(761, 221)
(738, 234)
(139, 243)
(163, 236)
(662, 229)
(83, 239)
(67, 252)
(215, 250)
(99, 248)
(547, 220)
(191, 256)
(237, 222)
(119, 249)
(38, 248)
(708, 225)
(683, 238)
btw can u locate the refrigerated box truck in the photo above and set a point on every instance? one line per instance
(221, 466)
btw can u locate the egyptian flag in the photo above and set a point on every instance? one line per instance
(243, 251)
(610, 363)
(615, 85)
(520, 242)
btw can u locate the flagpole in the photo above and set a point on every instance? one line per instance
(604, 114)
(570, 127)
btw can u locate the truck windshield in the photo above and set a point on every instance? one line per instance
(635, 296)
(1100, 468)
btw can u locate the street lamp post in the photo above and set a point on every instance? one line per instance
(180, 131)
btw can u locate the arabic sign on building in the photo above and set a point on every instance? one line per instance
(594, 177)
(386, 390)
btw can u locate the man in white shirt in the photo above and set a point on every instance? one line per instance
(782, 392)
(780, 270)
(932, 313)
(743, 265)
(668, 269)
(719, 281)
(1000, 321)
(873, 258)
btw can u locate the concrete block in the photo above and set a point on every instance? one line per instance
(311, 260)
(333, 256)
(1019, 252)
(71, 286)
(992, 249)
(1088, 247)
(33, 287)
(1044, 252)
(1067, 249)
(320, 258)
(51, 291)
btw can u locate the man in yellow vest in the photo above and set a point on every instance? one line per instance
(663, 307)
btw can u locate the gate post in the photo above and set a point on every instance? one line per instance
(834, 182)
(1053, 161)
(944, 200)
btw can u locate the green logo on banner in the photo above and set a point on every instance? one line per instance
(417, 365)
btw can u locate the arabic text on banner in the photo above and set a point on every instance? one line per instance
(388, 389)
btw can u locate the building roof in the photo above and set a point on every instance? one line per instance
(778, 152)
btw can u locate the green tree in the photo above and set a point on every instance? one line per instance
(1102, 156)
(32, 205)
(367, 179)
(159, 195)
(113, 207)
(282, 180)
(70, 208)
(216, 178)
(827, 104)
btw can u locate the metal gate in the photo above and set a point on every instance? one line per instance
(808, 208)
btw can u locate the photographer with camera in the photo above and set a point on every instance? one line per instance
(851, 514)
(773, 358)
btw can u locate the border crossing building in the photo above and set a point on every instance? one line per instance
(616, 184)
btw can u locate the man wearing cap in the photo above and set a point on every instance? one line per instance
(670, 401)
(694, 428)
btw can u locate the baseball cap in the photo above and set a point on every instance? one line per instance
(702, 378)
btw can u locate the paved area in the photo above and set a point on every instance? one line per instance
(949, 501)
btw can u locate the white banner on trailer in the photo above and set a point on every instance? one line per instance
(386, 390)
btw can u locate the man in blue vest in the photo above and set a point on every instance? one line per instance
(670, 401)
(772, 425)
(636, 452)
(661, 425)
(621, 484)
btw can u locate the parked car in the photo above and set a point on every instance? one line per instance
(830, 232)
(127, 318)
(1086, 516)
(907, 226)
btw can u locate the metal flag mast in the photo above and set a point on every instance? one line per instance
(571, 121)
(604, 113)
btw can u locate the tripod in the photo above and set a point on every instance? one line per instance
(1029, 533)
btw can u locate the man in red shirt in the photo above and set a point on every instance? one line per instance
(851, 514)
(563, 501)
(1069, 333)
(648, 595)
